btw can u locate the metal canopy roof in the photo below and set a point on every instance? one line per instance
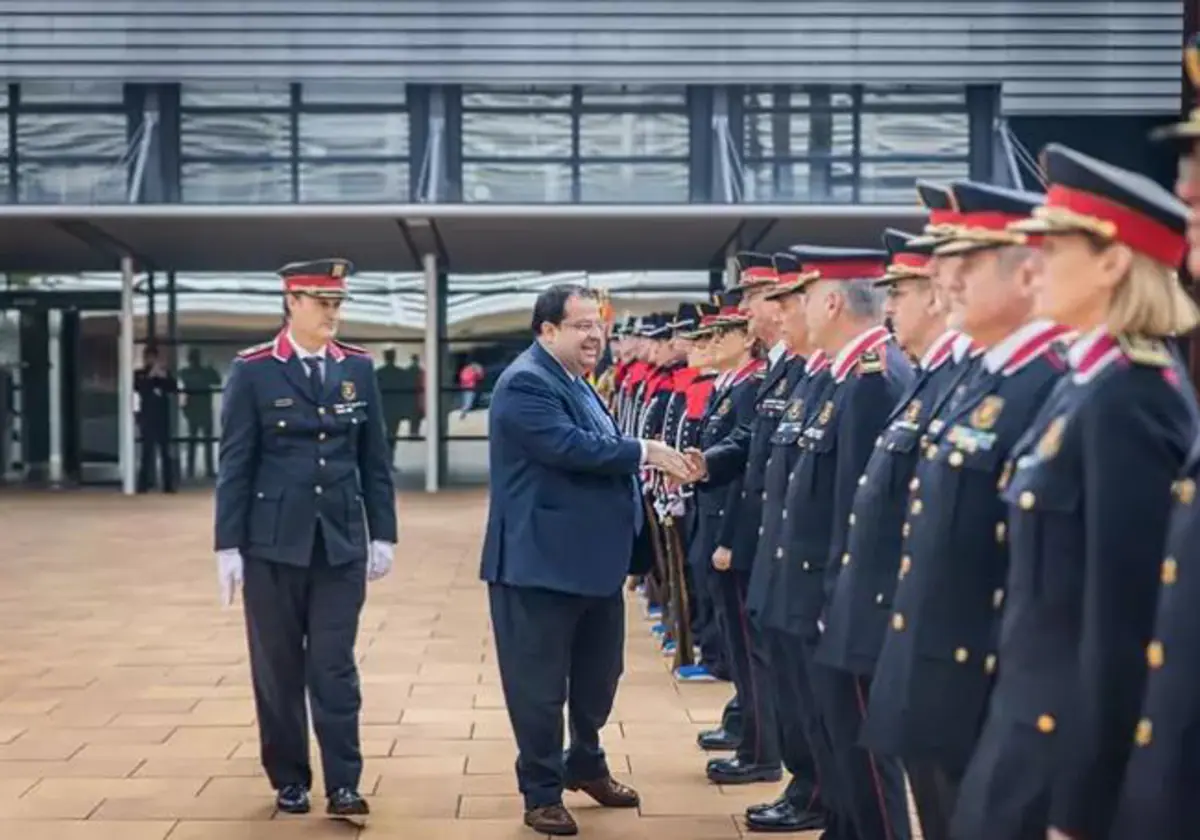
(468, 239)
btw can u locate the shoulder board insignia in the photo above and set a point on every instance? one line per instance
(1145, 351)
(256, 350)
(352, 349)
(759, 375)
(870, 362)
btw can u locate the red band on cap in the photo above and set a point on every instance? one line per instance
(759, 273)
(1138, 231)
(314, 281)
(788, 279)
(990, 220)
(944, 217)
(911, 260)
(850, 270)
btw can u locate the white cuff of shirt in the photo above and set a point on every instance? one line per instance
(642, 462)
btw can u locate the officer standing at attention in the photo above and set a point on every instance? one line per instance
(1088, 494)
(305, 516)
(1159, 795)
(934, 672)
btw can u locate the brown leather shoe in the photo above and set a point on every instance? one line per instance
(551, 819)
(608, 792)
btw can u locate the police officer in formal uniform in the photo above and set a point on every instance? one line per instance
(934, 672)
(743, 454)
(800, 806)
(305, 516)
(869, 374)
(1088, 492)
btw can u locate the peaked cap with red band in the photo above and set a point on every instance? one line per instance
(705, 315)
(985, 213)
(821, 263)
(792, 277)
(754, 270)
(938, 199)
(1090, 196)
(319, 278)
(906, 260)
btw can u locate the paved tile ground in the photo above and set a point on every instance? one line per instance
(126, 713)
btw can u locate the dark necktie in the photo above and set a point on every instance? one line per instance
(314, 374)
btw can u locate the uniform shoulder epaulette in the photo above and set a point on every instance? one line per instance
(256, 351)
(352, 349)
(869, 362)
(1145, 351)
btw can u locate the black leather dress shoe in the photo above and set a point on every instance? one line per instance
(346, 804)
(292, 799)
(784, 819)
(766, 806)
(714, 740)
(734, 771)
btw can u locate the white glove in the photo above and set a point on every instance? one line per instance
(229, 574)
(379, 559)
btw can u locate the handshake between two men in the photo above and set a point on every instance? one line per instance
(686, 467)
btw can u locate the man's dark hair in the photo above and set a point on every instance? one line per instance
(551, 305)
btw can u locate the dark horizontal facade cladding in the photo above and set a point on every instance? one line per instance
(1049, 56)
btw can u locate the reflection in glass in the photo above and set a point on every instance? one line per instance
(71, 135)
(633, 183)
(236, 183)
(235, 95)
(778, 181)
(382, 182)
(516, 183)
(71, 183)
(633, 135)
(892, 183)
(72, 93)
(516, 135)
(915, 134)
(341, 92)
(354, 135)
(636, 95)
(235, 135)
(519, 98)
(776, 135)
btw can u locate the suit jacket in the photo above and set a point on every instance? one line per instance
(291, 458)
(561, 488)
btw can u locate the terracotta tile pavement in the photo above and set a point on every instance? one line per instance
(126, 712)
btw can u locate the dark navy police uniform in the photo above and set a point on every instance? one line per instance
(1088, 496)
(304, 486)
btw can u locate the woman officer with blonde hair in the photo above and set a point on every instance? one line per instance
(1088, 490)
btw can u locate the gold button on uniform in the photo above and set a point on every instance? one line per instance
(321, 409)
(282, 424)
(321, 436)
(1170, 571)
(862, 480)
(1001, 531)
(1185, 490)
(320, 462)
(906, 530)
(914, 485)
(760, 530)
(961, 655)
(917, 506)
(1046, 724)
(955, 459)
(804, 565)
(898, 622)
(783, 515)
(905, 565)
(879, 598)
(779, 554)
(319, 490)
(852, 518)
(1144, 733)
(1026, 500)
(1154, 654)
(846, 559)
(989, 664)
(998, 598)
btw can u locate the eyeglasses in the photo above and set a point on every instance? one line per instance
(584, 326)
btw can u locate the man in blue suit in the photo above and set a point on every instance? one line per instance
(565, 516)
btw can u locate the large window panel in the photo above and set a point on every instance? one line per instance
(75, 135)
(235, 95)
(382, 182)
(266, 182)
(51, 93)
(517, 183)
(354, 135)
(261, 135)
(894, 182)
(70, 183)
(633, 182)
(633, 134)
(515, 135)
(934, 135)
(772, 181)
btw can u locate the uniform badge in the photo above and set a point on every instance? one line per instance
(286, 402)
(984, 416)
(826, 413)
(935, 426)
(1006, 475)
(793, 410)
(781, 388)
(1051, 440)
(723, 408)
(913, 412)
(348, 390)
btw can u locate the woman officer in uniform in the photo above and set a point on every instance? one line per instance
(1088, 489)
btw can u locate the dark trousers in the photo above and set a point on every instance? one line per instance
(301, 623)
(155, 447)
(934, 790)
(793, 695)
(708, 629)
(747, 658)
(554, 649)
(873, 785)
